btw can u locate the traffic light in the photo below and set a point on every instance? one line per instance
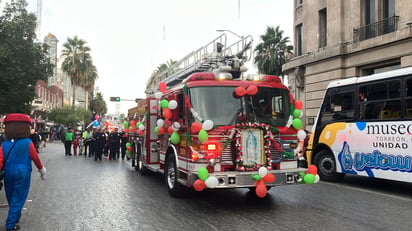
(117, 99)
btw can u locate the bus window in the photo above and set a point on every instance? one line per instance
(338, 106)
(408, 98)
(380, 101)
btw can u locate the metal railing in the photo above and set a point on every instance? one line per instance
(385, 26)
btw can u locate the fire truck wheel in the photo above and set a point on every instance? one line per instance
(139, 165)
(174, 188)
(326, 164)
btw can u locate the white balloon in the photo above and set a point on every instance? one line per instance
(160, 122)
(263, 171)
(141, 127)
(211, 182)
(301, 134)
(176, 126)
(172, 104)
(207, 125)
(317, 178)
(158, 95)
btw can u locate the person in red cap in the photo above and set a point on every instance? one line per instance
(16, 154)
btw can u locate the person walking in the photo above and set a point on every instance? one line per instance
(68, 139)
(80, 145)
(98, 144)
(75, 144)
(88, 141)
(16, 155)
(123, 144)
(114, 144)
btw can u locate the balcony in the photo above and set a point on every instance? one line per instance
(385, 26)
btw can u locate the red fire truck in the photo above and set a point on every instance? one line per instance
(205, 125)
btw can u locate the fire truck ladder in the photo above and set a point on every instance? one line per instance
(206, 59)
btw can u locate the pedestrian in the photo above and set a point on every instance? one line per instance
(75, 144)
(114, 144)
(16, 154)
(98, 144)
(35, 139)
(68, 139)
(80, 145)
(123, 144)
(88, 141)
(106, 143)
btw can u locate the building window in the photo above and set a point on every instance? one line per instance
(369, 18)
(322, 28)
(299, 2)
(299, 39)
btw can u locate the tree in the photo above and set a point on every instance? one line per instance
(271, 53)
(87, 81)
(70, 116)
(77, 61)
(22, 60)
(98, 105)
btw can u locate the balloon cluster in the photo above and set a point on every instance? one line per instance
(201, 129)
(311, 176)
(241, 91)
(260, 179)
(129, 149)
(205, 180)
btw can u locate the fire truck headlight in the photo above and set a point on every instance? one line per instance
(212, 162)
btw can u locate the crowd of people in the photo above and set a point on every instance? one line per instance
(95, 143)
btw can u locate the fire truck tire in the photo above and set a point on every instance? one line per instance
(139, 164)
(174, 188)
(326, 164)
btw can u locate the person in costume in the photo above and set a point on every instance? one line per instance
(16, 154)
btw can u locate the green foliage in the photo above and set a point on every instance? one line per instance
(69, 115)
(98, 105)
(271, 52)
(22, 61)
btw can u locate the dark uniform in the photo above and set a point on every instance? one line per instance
(114, 139)
(98, 144)
(123, 144)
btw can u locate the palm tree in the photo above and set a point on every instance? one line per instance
(271, 53)
(76, 61)
(87, 81)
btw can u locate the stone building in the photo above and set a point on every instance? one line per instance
(337, 39)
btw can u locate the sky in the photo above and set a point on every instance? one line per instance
(130, 38)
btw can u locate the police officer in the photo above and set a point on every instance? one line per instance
(123, 144)
(98, 144)
(114, 140)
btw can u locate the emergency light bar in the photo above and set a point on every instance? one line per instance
(263, 78)
(208, 76)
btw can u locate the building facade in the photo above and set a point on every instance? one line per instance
(337, 39)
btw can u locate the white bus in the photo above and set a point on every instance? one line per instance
(364, 127)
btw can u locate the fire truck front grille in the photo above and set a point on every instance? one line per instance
(227, 154)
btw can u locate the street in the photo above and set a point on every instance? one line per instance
(81, 194)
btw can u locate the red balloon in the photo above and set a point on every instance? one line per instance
(168, 122)
(312, 169)
(252, 90)
(126, 130)
(96, 117)
(240, 91)
(167, 113)
(161, 130)
(132, 123)
(170, 130)
(129, 148)
(269, 178)
(162, 87)
(199, 185)
(141, 132)
(196, 126)
(133, 129)
(298, 105)
(261, 189)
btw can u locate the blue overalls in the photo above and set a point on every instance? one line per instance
(17, 177)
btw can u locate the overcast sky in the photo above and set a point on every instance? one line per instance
(130, 38)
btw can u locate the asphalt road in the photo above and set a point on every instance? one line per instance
(81, 194)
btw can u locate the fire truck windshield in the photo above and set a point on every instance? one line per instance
(218, 104)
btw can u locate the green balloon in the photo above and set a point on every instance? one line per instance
(297, 113)
(203, 173)
(175, 138)
(256, 177)
(309, 178)
(203, 136)
(126, 124)
(138, 124)
(164, 103)
(297, 123)
(128, 145)
(156, 130)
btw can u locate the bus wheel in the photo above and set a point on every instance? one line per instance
(326, 164)
(174, 188)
